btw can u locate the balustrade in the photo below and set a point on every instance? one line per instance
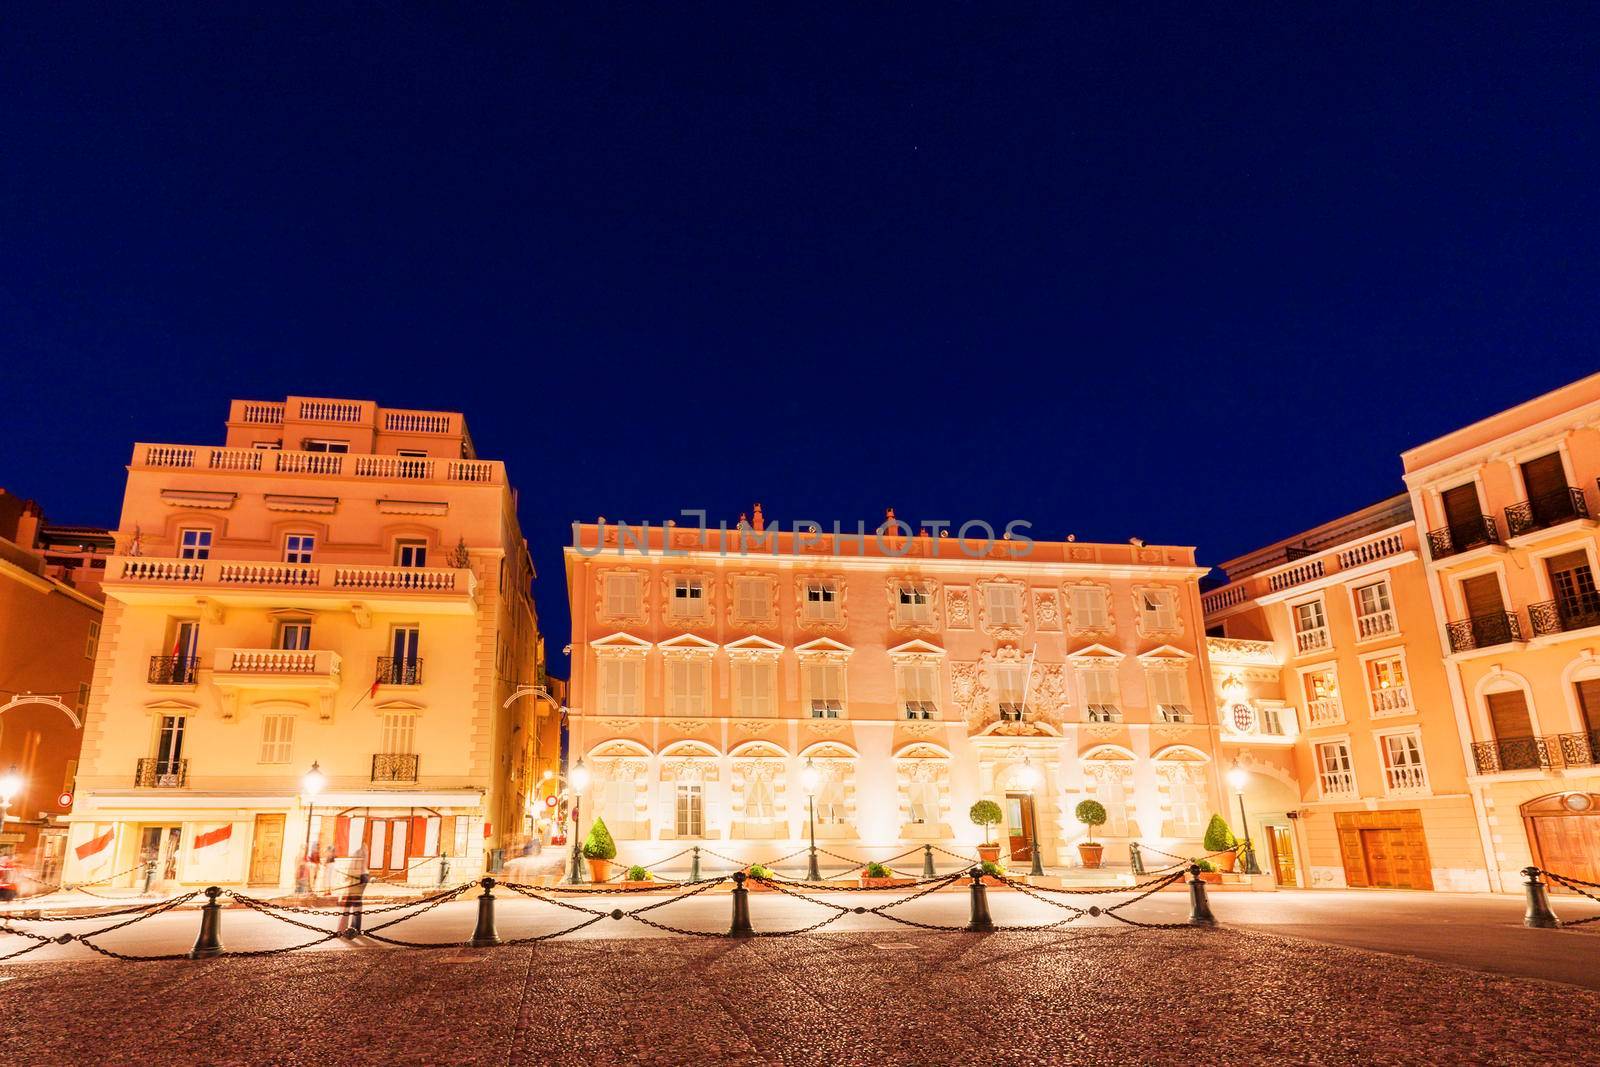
(1484, 631)
(1549, 509)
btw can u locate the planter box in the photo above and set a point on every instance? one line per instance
(651, 884)
(1211, 877)
(885, 883)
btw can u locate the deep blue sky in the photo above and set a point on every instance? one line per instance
(1193, 276)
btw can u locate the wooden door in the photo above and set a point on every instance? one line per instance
(266, 851)
(1384, 849)
(1564, 831)
(1281, 840)
(1019, 819)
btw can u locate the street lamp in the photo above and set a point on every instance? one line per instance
(1028, 778)
(10, 786)
(810, 778)
(579, 779)
(311, 785)
(1237, 777)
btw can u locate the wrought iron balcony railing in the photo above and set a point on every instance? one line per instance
(1580, 750)
(1559, 616)
(1459, 537)
(1484, 631)
(161, 773)
(399, 670)
(1516, 754)
(1542, 512)
(173, 670)
(395, 766)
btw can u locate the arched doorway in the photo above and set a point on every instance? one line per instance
(1564, 833)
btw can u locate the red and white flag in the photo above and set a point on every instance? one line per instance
(214, 837)
(93, 845)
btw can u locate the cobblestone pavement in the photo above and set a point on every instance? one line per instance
(1099, 995)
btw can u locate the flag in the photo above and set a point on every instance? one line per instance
(212, 837)
(94, 844)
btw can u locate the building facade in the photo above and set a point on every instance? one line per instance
(50, 620)
(1327, 656)
(1508, 508)
(341, 585)
(915, 674)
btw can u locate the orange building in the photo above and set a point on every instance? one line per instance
(50, 617)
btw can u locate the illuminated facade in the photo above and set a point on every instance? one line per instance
(710, 667)
(338, 584)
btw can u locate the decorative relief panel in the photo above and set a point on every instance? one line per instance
(905, 618)
(1046, 609)
(958, 602)
(754, 727)
(820, 616)
(920, 729)
(967, 689)
(619, 726)
(1004, 630)
(825, 727)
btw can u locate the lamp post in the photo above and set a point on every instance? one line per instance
(1029, 777)
(579, 780)
(1237, 777)
(810, 778)
(311, 785)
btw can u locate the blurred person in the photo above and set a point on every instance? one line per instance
(350, 916)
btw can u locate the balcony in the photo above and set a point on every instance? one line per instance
(161, 773)
(1579, 750)
(1337, 784)
(1313, 640)
(397, 670)
(1406, 780)
(1515, 754)
(201, 458)
(1453, 540)
(174, 670)
(395, 766)
(1484, 631)
(1560, 616)
(275, 668)
(1391, 700)
(1543, 512)
(1324, 712)
(326, 586)
(1375, 624)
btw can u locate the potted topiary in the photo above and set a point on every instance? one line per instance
(1220, 839)
(637, 877)
(878, 876)
(986, 813)
(1091, 813)
(599, 850)
(1208, 871)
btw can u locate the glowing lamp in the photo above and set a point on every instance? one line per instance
(313, 781)
(580, 778)
(810, 778)
(1028, 776)
(1237, 777)
(10, 785)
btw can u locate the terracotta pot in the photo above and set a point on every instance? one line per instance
(599, 870)
(1211, 877)
(992, 881)
(884, 883)
(989, 853)
(643, 885)
(1090, 853)
(1226, 860)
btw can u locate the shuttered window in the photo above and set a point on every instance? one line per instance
(277, 738)
(620, 685)
(622, 595)
(1509, 714)
(1544, 477)
(688, 685)
(754, 687)
(1005, 604)
(1089, 612)
(399, 733)
(1461, 507)
(1589, 702)
(1482, 596)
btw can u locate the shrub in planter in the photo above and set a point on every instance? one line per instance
(881, 876)
(877, 870)
(599, 849)
(636, 873)
(1208, 870)
(755, 871)
(992, 870)
(1220, 839)
(987, 814)
(1091, 813)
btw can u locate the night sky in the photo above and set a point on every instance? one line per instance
(1193, 277)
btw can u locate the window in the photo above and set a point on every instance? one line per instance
(294, 636)
(1011, 692)
(399, 733)
(169, 744)
(411, 553)
(922, 802)
(758, 798)
(825, 689)
(1386, 683)
(194, 543)
(1112, 792)
(297, 548)
(1186, 804)
(822, 602)
(405, 664)
(1310, 627)
(93, 643)
(1403, 769)
(830, 799)
(1272, 720)
(324, 444)
(688, 685)
(1374, 611)
(617, 800)
(919, 689)
(1004, 603)
(755, 685)
(620, 687)
(1100, 694)
(751, 598)
(1334, 769)
(268, 446)
(913, 606)
(1089, 608)
(1322, 697)
(622, 595)
(82, 702)
(277, 736)
(1158, 610)
(690, 820)
(688, 597)
(1169, 693)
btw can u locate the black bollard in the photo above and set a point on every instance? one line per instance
(1199, 906)
(980, 922)
(484, 935)
(927, 862)
(741, 909)
(209, 943)
(1135, 858)
(1538, 913)
(694, 865)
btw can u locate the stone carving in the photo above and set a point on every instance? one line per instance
(1046, 609)
(958, 602)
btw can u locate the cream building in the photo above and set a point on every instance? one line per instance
(711, 667)
(339, 585)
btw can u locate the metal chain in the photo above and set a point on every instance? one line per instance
(132, 909)
(300, 909)
(1574, 884)
(164, 907)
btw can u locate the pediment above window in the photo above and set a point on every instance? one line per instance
(686, 645)
(1095, 656)
(823, 646)
(620, 644)
(916, 648)
(752, 646)
(1166, 654)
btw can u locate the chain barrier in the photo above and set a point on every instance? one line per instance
(1155, 885)
(1577, 885)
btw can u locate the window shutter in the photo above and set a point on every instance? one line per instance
(1482, 596)
(341, 835)
(1589, 702)
(1509, 714)
(1544, 476)
(1461, 507)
